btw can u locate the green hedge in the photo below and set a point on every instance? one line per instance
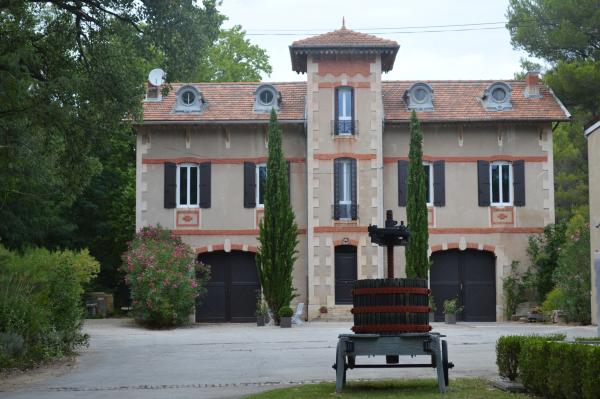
(551, 368)
(508, 348)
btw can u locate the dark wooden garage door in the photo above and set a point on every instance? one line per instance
(345, 273)
(469, 276)
(232, 288)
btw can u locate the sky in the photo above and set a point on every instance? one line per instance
(472, 54)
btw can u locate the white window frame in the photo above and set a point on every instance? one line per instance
(188, 166)
(429, 183)
(344, 99)
(345, 194)
(258, 166)
(502, 201)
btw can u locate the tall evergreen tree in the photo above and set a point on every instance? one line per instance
(278, 229)
(417, 263)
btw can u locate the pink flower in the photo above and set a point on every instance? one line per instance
(194, 284)
(174, 285)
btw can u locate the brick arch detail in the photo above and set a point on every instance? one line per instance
(337, 243)
(221, 247)
(470, 245)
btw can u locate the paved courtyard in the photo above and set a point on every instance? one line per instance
(231, 360)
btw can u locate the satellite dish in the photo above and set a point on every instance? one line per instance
(157, 77)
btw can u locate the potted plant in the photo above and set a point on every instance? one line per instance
(451, 308)
(262, 312)
(432, 309)
(285, 317)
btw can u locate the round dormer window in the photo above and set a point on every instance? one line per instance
(499, 94)
(266, 97)
(421, 95)
(188, 97)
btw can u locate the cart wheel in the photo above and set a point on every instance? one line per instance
(340, 369)
(351, 361)
(445, 362)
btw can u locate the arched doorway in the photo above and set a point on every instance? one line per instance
(232, 288)
(345, 273)
(469, 276)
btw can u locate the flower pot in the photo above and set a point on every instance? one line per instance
(450, 318)
(260, 320)
(431, 317)
(285, 322)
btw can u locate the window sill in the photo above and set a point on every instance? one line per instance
(502, 206)
(345, 222)
(344, 136)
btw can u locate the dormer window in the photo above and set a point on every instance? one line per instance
(189, 99)
(497, 97)
(419, 97)
(266, 97)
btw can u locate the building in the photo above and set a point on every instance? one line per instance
(592, 133)
(487, 149)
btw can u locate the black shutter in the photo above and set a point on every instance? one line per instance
(483, 183)
(289, 176)
(170, 185)
(439, 183)
(352, 123)
(336, 114)
(354, 206)
(402, 182)
(337, 166)
(519, 182)
(249, 185)
(205, 184)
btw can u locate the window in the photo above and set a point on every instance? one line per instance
(345, 205)
(496, 97)
(188, 99)
(428, 183)
(261, 179)
(266, 97)
(188, 182)
(344, 112)
(501, 179)
(419, 97)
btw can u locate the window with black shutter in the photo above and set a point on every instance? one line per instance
(170, 185)
(439, 183)
(519, 182)
(501, 177)
(205, 185)
(188, 185)
(249, 185)
(345, 206)
(483, 183)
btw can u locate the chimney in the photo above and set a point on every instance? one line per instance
(156, 78)
(153, 92)
(532, 85)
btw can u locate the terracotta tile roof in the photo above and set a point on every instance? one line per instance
(456, 101)
(229, 102)
(344, 38)
(343, 41)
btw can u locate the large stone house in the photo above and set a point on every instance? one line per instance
(201, 153)
(592, 133)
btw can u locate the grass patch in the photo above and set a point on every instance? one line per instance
(461, 388)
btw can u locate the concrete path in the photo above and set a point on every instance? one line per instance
(232, 360)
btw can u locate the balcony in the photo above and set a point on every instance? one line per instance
(344, 127)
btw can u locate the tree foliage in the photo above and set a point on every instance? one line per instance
(417, 264)
(544, 250)
(278, 231)
(234, 59)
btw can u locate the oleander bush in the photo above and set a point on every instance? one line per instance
(163, 277)
(41, 306)
(549, 367)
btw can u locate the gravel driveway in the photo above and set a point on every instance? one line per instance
(230, 360)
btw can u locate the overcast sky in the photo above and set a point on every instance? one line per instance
(473, 54)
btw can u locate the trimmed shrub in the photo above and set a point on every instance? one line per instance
(591, 373)
(285, 311)
(160, 274)
(508, 350)
(41, 308)
(533, 362)
(565, 362)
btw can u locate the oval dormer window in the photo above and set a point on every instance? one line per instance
(499, 94)
(266, 97)
(188, 97)
(497, 97)
(419, 97)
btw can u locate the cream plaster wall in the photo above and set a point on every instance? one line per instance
(594, 187)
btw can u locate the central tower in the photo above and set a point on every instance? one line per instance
(344, 114)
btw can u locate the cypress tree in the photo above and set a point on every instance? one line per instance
(417, 264)
(278, 231)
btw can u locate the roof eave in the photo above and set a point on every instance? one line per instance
(219, 122)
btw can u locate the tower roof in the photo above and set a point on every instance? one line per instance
(343, 41)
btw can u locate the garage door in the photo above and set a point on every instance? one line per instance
(469, 276)
(232, 288)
